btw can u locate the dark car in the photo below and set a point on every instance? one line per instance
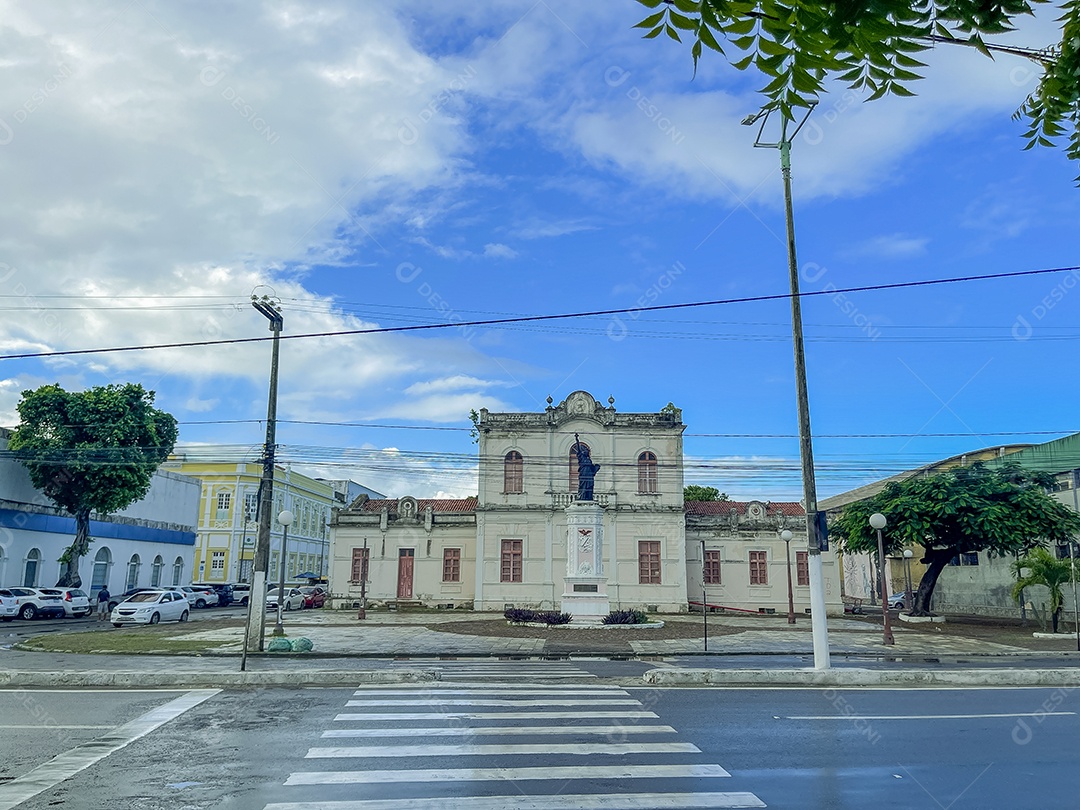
(225, 594)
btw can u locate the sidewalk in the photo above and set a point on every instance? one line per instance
(348, 651)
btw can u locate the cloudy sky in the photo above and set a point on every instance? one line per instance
(406, 163)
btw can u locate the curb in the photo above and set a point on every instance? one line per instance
(212, 680)
(832, 678)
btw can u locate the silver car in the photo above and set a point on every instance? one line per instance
(151, 607)
(9, 605)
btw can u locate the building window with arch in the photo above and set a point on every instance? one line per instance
(31, 566)
(177, 571)
(224, 502)
(647, 482)
(156, 568)
(102, 563)
(513, 473)
(133, 572)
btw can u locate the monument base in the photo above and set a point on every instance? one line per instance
(585, 598)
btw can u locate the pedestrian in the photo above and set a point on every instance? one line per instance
(103, 603)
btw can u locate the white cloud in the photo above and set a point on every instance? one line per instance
(455, 383)
(497, 250)
(889, 246)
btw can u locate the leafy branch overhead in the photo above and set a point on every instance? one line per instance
(872, 46)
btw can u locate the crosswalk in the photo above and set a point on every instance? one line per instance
(514, 736)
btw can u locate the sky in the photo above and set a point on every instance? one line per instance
(379, 165)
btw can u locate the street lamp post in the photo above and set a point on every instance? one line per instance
(908, 598)
(704, 599)
(877, 522)
(786, 536)
(815, 534)
(285, 518)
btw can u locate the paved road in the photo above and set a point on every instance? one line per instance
(546, 735)
(13, 631)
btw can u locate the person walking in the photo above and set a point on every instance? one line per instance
(103, 603)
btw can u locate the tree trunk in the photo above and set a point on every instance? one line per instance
(1054, 619)
(73, 554)
(936, 561)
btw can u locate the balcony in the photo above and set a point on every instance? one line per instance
(560, 500)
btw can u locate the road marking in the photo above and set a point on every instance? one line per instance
(52, 727)
(491, 702)
(488, 689)
(495, 774)
(88, 690)
(518, 674)
(501, 750)
(69, 763)
(919, 716)
(497, 716)
(495, 730)
(626, 801)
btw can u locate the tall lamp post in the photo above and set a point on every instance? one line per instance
(786, 536)
(908, 598)
(878, 522)
(285, 518)
(815, 520)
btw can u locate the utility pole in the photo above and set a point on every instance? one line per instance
(256, 619)
(815, 524)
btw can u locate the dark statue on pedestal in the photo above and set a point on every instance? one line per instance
(586, 471)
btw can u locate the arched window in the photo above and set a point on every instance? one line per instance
(132, 572)
(573, 466)
(155, 571)
(646, 474)
(513, 473)
(102, 562)
(177, 571)
(30, 568)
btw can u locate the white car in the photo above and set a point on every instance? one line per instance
(294, 599)
(34, 602)
(9, 605)
(200, 596)
(151, 607)
(76, 602)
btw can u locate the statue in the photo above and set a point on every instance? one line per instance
(586, 471)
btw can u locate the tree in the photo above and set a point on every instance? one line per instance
(1047, 570)
(870, 44)
(91, 451)
(1003, 511)
(693, 492)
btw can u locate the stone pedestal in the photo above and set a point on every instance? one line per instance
(585, 585)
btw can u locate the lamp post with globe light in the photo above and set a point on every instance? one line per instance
(908, 598)
(285, 518)
(878, 522)
(786, 536)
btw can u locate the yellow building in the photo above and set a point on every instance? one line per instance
(228, 524)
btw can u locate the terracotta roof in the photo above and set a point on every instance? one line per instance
(438, 505)
(724, 508)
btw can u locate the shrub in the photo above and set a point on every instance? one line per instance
(552, 617)
(525, 616)
(626, 617)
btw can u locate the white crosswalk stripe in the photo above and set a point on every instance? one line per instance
(541, 746)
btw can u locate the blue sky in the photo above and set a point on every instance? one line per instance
(378, 165)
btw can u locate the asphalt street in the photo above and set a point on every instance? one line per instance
(544, 735)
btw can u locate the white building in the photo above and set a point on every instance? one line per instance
(514, 546)
(149, 543)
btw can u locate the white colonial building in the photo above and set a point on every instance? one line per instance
(527, 540)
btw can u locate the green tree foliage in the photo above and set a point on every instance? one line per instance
(871, 45)
(693, 492)
(91, 451)
(1004, 511)
(1047, 570)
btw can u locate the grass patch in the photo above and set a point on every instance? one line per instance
(121, 640)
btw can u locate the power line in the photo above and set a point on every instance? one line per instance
(539, 318)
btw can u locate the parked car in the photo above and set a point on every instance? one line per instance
(9, 605)
(314, 596)
(897, 601)
(294, 599)
(224, 591)
(151, 607)
(241, 593)
(200, 596)
(76, 602)
(34, 602)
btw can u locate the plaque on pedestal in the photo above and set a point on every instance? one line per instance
(585, 585)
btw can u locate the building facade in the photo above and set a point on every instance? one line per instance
(148, 544)
(519, 544)
(227, 526)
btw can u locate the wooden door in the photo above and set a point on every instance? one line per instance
(405, 573)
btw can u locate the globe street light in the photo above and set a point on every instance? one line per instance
(786, 536)
(877, 522)
(285, 518)
(908, 601)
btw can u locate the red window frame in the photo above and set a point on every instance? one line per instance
(759, 568)
(451, 565)
(359, 565)
(510, 561)
(649, 562)
(802, 568)
(711, 570)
